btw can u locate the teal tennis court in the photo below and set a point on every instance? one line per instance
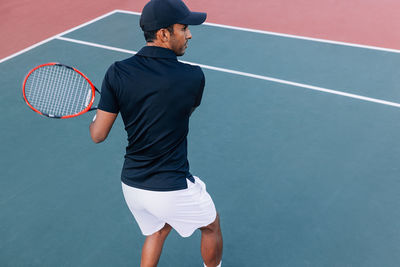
(296, 138)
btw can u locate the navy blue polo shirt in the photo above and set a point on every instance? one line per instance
(155, 94)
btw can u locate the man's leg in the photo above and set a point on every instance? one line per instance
(152, 247)
(211, 243)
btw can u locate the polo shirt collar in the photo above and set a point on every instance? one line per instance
(157, 52)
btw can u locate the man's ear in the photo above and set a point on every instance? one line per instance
(164, 35)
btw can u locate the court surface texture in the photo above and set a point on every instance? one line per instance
(297, 140)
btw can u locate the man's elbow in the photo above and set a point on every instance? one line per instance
(97, 139)
(97, 136)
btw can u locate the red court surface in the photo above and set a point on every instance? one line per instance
(367, 22)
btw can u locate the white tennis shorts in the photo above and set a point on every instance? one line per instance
(185, 210)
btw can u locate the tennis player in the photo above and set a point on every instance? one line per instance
(156, 94)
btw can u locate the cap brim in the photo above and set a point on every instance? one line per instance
(194, 18)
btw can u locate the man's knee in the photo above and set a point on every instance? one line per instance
(212, 227)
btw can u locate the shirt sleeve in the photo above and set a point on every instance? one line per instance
(108, 101)
(201, 89)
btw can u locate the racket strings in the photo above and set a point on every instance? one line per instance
(57, 91)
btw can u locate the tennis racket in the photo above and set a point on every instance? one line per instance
(58, 91)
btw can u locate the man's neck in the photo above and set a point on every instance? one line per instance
(159, 44)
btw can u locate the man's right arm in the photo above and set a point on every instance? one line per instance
(101, 125)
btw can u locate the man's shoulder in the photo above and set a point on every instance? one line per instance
(189, 66)
(130, 61)
(121, 65)
(192, 69)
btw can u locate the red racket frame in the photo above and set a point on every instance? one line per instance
(88, 108)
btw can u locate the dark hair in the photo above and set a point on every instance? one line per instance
(150, 36)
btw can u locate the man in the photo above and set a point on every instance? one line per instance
(156, 95)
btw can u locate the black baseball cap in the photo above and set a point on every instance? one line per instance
(159, 14)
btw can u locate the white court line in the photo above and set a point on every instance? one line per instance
(246, 74)
(96, 45)
(284, 35)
